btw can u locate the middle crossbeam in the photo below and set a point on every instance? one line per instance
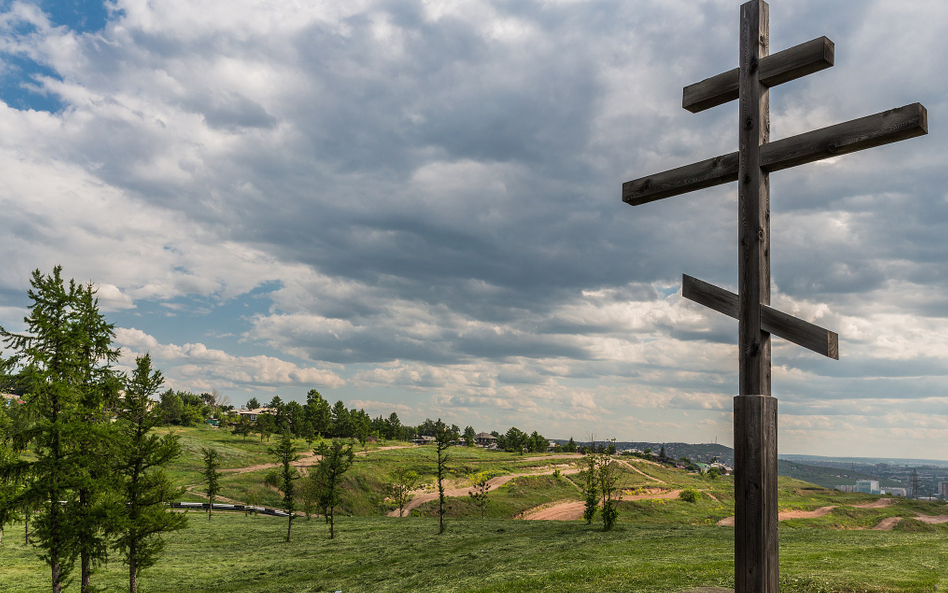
(886, 127)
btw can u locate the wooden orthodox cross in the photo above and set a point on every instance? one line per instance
(755, 410)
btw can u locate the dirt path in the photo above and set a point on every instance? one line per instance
(932, 519)
(887, 524)
(572, 510)
(877, 504)
(308, 460)
(638, 471)
(784, 515)
(422, 497)
(566, 456)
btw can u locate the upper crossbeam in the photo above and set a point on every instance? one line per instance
(789, 64)
(886, 127)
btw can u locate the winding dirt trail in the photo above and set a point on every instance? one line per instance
(784, 515)
(306, 461)
(572, 510)
(876, 504)
(887, 524)
(422, 497)
(638, 471)
(932, 519)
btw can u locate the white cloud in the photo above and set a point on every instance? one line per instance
(425, 197)
(197, 367)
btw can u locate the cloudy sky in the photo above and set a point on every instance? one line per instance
(415, 207)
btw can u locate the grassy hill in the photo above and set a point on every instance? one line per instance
(828, 477)
(659, 545)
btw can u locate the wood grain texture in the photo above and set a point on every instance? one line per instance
(755, 502)
(789, 64)
(874, 130)
(755, 494)
(800, 332)
(902, 123)
(753, 203)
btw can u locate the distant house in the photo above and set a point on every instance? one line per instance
(485, 440)
(9, 398)
(251, 415)
(423, 440)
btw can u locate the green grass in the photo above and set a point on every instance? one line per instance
(246, 554)
(659, 545)
(509, 500)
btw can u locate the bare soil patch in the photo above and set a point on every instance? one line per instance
(878, 504)
(887, 524)
(572, 510)
(932, 519)
(638, 471)
(422, 496)
(784, 515)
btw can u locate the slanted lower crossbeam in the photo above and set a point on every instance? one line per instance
(790, 328)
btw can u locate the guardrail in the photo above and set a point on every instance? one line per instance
(229, 507)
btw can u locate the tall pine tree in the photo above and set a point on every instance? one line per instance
(145, 487)
(97, 386)
(48, 372)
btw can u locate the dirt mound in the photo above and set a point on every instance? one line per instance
(820, 512)
(422, 497)
(887, 524)
(564, 511)
(932, 519)
(572, 510)
(878, 504)
(637, 470)
(784, 515)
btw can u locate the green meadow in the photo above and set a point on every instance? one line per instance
(660, 544)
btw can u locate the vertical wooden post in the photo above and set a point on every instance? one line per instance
(755, 411)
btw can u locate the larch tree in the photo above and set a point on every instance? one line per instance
(402, 483)
(335, 460)
(590, 487)
(97, 385)
(470, 437)
(479, 492)
(286, 479)
(608, 476)
(145, 488)
(212, 461)
(48, 372)
(444, 438)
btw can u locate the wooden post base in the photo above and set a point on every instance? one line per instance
(755, 494)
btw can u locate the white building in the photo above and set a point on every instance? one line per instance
(867, 487)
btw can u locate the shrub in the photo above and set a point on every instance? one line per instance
(689, 495)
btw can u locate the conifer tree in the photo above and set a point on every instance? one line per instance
(97, 386)
(335, 460)
(286, 480)
(145, 487)
(590, 487)
(444, 437)
(212, 462)
(48, 372)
